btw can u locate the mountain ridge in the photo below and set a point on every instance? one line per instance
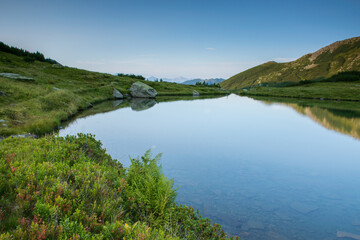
(337, 57)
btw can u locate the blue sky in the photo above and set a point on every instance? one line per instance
(172, 38)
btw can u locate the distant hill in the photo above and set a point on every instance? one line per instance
(338, 57)
(210, 81)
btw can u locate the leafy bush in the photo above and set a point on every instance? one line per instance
(70, 188)
(150, 192)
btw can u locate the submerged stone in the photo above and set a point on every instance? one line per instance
(341, 234)
(252, 224)
(303, 208)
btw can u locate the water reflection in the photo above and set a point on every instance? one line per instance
(259, 168)
(329, 114)
(141, 104)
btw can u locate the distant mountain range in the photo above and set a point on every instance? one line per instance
(177, 80)
(187, 81)
(210, 81)
(338, 57)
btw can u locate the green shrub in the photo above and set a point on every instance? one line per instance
(70, 188)
(150, 192)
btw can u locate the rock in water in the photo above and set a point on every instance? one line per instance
(347, 235)
(117, 94)
(141, 90)
(137, 104)
(196, 93)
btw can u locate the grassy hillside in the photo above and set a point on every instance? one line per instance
(338, 57)
(339, 91)
(54, 93)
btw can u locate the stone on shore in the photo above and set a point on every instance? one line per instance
(15, 76)
(117, 94)
(141, 90)
(196, 93)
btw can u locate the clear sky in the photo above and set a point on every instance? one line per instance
(171, 38)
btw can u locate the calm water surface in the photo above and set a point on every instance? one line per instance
(263, 171)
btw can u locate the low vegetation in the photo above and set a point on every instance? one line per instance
(70, 188)
(340, 87)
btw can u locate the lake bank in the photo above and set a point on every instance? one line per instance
(47, 94)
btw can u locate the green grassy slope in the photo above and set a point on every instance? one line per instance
(338, 57)
(344, 91)
(56, 93)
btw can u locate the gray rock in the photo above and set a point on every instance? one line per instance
(141, 90)
(2, 94)
(141, 104)
(117, 94)
(196, 93)
(347, 235)
(57, 65)
(15, 76)
(2, 121)
(55, 88)
(27, 135)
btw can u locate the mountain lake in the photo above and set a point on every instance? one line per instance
(262, 169)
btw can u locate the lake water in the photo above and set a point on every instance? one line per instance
(263, 170)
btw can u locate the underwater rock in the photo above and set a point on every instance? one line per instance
(303, 208)
(252, 224)
(341, 234)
